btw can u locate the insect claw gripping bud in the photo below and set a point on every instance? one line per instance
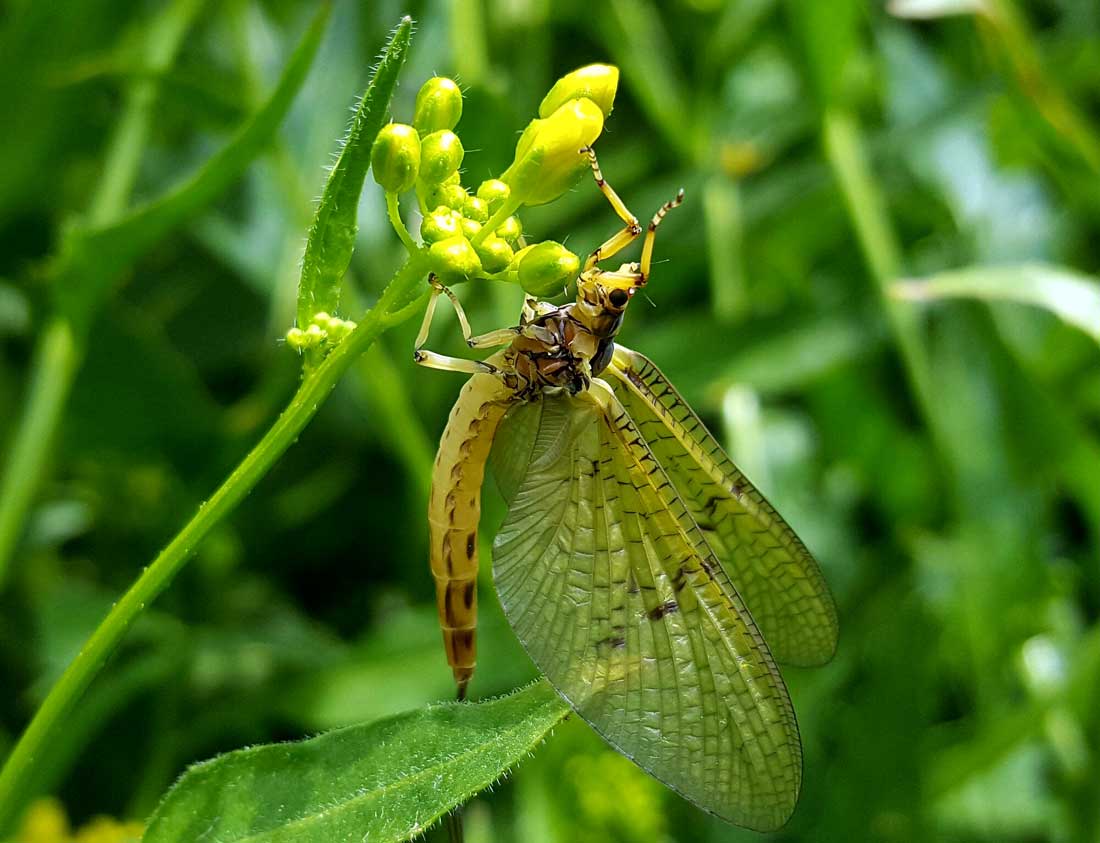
(395, 157)
(545, 268)
(438, 105)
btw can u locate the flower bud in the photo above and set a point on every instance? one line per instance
(439, 225)
(438, 105)
(597, 82)
(547, 268)
(454, 260)
(493, 192)
(510, 230)
(495, 254)
(296, 338)
(469, 227)
(395, 157)
(450, 193)
(475, 209)
(548, 157)
(440, 156)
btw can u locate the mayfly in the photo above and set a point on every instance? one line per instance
(638, 566)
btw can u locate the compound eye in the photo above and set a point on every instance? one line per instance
(618, 298)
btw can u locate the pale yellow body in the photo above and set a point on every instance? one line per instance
(453, 512)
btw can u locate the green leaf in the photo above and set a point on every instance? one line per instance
(1069, 295)
(92, 258)
(383, 781)
(332, 235)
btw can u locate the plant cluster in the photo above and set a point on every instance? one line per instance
(468, 233)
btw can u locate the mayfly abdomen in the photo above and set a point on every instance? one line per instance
(453, 512)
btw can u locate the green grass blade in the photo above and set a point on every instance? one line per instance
(93, 258)
(332, 235)
(388, 780)
(1071, 296)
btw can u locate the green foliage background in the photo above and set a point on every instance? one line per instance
(941, 458)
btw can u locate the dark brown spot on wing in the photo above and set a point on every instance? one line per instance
(662, 609)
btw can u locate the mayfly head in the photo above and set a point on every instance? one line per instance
(602, 297)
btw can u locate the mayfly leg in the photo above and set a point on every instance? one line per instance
(651, 233)
(432, 360)
(631, 229)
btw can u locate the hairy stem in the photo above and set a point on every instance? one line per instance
(17, 774)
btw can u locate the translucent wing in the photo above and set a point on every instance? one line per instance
(614, 592)
(777, 577)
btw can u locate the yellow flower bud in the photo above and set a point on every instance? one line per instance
(547, 268)
(439, 225)
(470, 227)
(548, 157)
(493, 192)
(510, 230)
(438, 105)
(454, 260)
(475, 209)
(495, 254)
(440, 156)
(395, 157)
(597, 82)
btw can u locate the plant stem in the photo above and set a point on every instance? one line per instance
(56, 358)
(393, 210)
(315, 388)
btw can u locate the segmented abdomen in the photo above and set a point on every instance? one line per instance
(454, 509)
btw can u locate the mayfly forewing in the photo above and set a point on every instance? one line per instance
(614, 593)
(454, 509)
(771, 568)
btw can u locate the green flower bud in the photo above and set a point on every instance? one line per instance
(495, 254)
(395, 157)
(296, 338)
(475, 209)
(470, 228)
(439, 225)
(438, 105)
(510, 230)
(450, 193)
(314, 334)
(547, 268)
(440, 156)
(548, 158)
(597, 82)
(454, 260)
(493, 192)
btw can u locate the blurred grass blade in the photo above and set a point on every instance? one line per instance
(1073, 297)
(332, 235)
(388, 780)
(92, 258)
(931, 9)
